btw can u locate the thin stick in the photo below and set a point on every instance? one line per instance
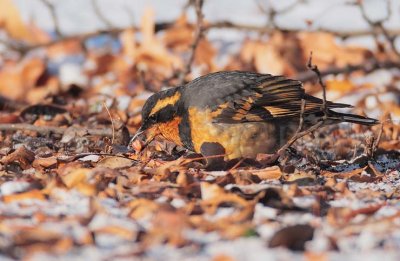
(23, 48)
(366, 66)
(188, 160)
(377, 140)
(54, 17)
(299, 134)
(198, 4)
(298, 131)
(101, 15)
(112, 123)
(236, 165)
(378, 26)
(315, 69)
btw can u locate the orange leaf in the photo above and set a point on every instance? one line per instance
(268, 173)
(128, 43)
(32, 194)
(339, 85)
(117, 231)
(76, 176)
(12, 21)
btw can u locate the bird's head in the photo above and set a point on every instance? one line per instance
(159, 108)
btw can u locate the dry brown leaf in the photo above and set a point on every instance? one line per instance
(75, 177)
(63, 48)
(343, 175)
(29, 195)
(292, 237)
(268, 60)
(115, 162)
(304, 178)
(326, 51)
(16, 81)
(223, 257)
(268, 173)
(21, 156)
(180, 36)
(11, 20)
(338, 216)
(128, 42)
(142, 207)
(161, 231)
(49, 162)
(6, 117)
(117, 231)
(316, 256)
(205, 54)
(151, 54)
(341, 86)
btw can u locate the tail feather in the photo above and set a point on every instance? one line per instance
(353, 118)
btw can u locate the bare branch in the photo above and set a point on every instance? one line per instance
(112, 122)
(270, 29)
(272, 12)
(54, 16)
(367, 67)
(198, 5)
(379, 28)
(377, 140)
(298, 131)
(101, 15)
(299, 134)
(315, 69)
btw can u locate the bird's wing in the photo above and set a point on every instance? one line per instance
(269, 98)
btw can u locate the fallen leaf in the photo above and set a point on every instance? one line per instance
(29, 195)
(115, 162)
(268, 173)
(49, 162)
(292, 237)
(75, 177)
(21, 156)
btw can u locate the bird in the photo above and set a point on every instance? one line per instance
(236, 114)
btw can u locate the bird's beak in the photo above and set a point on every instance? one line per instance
(150, 135)
(137, 134)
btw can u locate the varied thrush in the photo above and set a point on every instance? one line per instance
(236, 114)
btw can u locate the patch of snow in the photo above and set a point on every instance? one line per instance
(12, 187)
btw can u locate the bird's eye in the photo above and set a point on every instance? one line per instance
(153, 118)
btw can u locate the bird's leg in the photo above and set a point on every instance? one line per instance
(209, 149)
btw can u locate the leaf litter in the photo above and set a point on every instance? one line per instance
(69, 188)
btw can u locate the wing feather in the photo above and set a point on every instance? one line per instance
(275, 97)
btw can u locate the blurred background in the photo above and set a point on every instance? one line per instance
(75, 74)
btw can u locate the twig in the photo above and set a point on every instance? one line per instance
(299, 134)
(24, 48)
(198, 5)
(367, 66)
(270, 29)
(54, 17)
(48, 129)
(237, 165)
(378, 26)
(272, 12)
(315, 69)
(100, 14)
(298, 131)
(377, 140)
(112, 123)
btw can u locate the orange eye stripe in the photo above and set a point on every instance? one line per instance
(165, 102)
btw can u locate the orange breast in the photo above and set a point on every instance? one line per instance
(239, 140)
(170, 130)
